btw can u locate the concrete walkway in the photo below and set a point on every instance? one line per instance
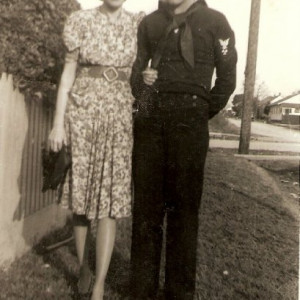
(271, 131)
(265, 137)
(256, 145)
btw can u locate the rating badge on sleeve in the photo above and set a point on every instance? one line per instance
(224, 46)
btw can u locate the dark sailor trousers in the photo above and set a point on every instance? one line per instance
(170, 147)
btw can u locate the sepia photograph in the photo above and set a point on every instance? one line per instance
(149, 150)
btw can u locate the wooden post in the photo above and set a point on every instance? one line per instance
(250, 74)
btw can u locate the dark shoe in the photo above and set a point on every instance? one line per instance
(85, 294)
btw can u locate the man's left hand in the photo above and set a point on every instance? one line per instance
(150, 76)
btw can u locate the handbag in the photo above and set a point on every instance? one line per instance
(55, 167)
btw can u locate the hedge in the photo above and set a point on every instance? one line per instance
(32, 48)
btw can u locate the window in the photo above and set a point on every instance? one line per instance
(287, 111)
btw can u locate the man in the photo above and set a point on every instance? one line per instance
(185, 41)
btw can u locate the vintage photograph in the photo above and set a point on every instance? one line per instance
(149, 150)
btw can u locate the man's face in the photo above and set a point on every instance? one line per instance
(174, 2)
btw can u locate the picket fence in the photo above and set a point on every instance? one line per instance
(24, 129)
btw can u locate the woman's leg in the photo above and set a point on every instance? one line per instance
(81, 227)
(105, 240)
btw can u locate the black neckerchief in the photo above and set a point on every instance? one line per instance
(186, 37)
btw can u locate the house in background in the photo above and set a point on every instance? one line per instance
(260, 112)
(274, 111)
(285, 110)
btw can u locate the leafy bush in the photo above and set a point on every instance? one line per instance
(32, 48)
(219, 123)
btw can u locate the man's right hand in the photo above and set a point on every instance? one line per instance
(150, 75)
(57, 138)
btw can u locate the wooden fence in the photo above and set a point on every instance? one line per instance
(24, 129)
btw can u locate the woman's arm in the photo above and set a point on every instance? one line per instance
(57, 136)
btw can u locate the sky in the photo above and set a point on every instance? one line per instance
(278, 62)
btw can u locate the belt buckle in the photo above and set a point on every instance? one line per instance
(111, 74)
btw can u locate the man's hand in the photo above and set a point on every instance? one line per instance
(150, 76)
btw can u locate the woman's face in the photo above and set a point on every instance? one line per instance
(114, 3)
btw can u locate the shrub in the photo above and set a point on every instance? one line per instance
(219, 123)
(32, 48)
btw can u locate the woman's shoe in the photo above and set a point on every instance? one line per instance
(86, 293)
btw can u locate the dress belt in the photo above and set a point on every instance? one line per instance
(110, 73)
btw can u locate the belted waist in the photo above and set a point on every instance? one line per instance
(110, 73)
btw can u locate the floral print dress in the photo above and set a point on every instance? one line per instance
(98, 118)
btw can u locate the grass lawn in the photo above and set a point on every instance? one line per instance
(248, 241)
(249, 227)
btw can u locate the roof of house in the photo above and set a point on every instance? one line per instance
(292, 99)
(266, 101)
(278, 98)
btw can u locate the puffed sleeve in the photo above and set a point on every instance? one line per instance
(72, 36)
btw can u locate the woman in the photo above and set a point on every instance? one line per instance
(94, 118)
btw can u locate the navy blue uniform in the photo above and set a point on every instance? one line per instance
(171, 139)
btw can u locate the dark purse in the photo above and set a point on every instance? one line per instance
(55, 167)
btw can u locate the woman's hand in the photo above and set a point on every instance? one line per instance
(150, 76)
(57, 138)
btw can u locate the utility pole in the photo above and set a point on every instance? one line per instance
(250, 74)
